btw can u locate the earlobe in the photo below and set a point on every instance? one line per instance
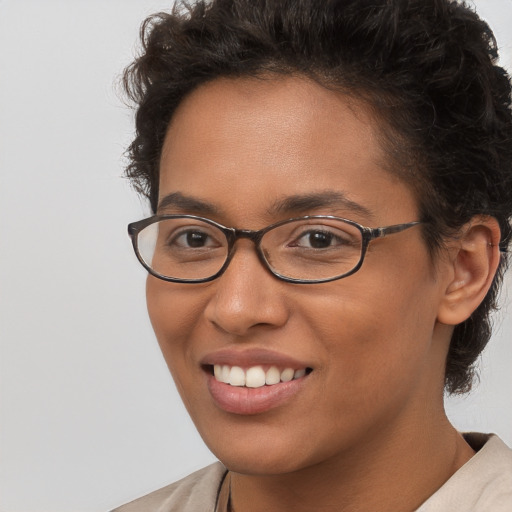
(474, 259)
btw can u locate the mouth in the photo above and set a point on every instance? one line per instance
(255, 376)
(254, 381)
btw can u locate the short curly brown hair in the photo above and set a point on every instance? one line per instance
(427, 68)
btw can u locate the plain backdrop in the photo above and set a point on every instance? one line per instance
(89, 415)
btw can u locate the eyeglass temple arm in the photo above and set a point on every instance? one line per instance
(389, 230)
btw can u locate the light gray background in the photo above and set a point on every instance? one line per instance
(89, 415)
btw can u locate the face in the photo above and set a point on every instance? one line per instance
(247, 153)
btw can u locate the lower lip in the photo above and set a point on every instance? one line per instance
(242, 400)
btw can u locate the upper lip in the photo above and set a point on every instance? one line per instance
(252, 357)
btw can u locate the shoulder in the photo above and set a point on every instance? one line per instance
(484, 483)
(196, 492)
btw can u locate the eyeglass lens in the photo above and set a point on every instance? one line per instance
(305, 249)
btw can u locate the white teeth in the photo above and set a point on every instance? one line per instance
(273, 376)
(225, 374)
(237, 376)
(287, 375)
(299, 373)
(255, 377)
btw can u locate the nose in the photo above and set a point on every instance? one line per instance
(247, 296)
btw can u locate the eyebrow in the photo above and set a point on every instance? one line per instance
(328, 199)
(178, 201)
(289, 205)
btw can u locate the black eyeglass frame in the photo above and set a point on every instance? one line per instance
(234, 234)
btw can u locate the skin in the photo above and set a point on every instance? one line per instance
(370, 415)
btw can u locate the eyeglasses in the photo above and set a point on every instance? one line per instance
(312, 249)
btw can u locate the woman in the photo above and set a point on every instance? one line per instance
(332, 189)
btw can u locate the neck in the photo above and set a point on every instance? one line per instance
(392, 472)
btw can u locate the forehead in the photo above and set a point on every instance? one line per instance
(261, 140)
(293, 107)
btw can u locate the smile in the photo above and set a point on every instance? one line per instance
(253, 381)
(255, 376)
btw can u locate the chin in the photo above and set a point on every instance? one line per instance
(260, 465)
(260, 450)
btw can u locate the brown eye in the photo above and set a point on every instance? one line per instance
(194, 239)
(319, 239)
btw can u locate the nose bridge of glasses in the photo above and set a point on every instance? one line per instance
(254, 236)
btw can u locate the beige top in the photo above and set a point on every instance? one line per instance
(483, 484)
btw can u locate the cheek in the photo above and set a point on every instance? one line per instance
(174, 314)
(175, 311)
(376, 343)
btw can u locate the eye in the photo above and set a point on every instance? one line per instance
(193, 238)
(319, 239)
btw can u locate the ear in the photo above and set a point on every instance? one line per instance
(474, 257)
